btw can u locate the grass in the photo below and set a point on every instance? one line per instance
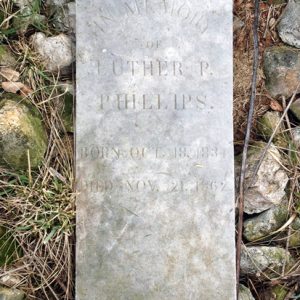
(37, 207)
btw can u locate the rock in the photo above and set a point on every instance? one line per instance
(289, 25)
(282, 70)
(56, 52)
(268, 186)
(7, 59)
(268, 260)
(266, 126)
(8, 248)
(63, 17)
(21, 130)
(295, 132)
(265, 223)
(295, 109)
(11, 294)
(245, 293)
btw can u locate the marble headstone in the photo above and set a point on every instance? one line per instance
(155, 203)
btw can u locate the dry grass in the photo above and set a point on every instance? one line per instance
(38, 207)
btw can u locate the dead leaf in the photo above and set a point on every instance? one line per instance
(26, 90)
(274, 105)
(12, 87)
(9, 74)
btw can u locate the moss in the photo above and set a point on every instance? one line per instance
(279, 292)
(21, 130)
(266, 126)
(6, 57)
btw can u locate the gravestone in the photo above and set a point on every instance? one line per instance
(155, 204)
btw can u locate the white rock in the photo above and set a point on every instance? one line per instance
(56, 52)
(245, 293)
(268, 186)
(289, 25)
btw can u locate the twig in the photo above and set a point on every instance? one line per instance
(246, 143)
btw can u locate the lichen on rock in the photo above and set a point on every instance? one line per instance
(265, 223)
(267, 188)
(267, 260)
(282, 70)
(22, 135)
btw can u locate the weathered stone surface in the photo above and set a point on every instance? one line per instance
(265, 223)
(261, 259)
(63, 17)
(56, 52)
(245, 293)
(295, 109)
(282, 70)
(268, 186)
(11, 294)
(289, 25)
(267, 124)
(7, 59)
(154, 96)
(21, 130)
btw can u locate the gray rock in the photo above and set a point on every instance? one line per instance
(282, 70)
(261, 259)
(295, 109)
(56, 52)
(7, 58)
(11, 294)
(245, 293)
(295, 132)
(265, 223)
(268, 186)
(21, 130)
(289, 25)
(267, 124)
(63, 18)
